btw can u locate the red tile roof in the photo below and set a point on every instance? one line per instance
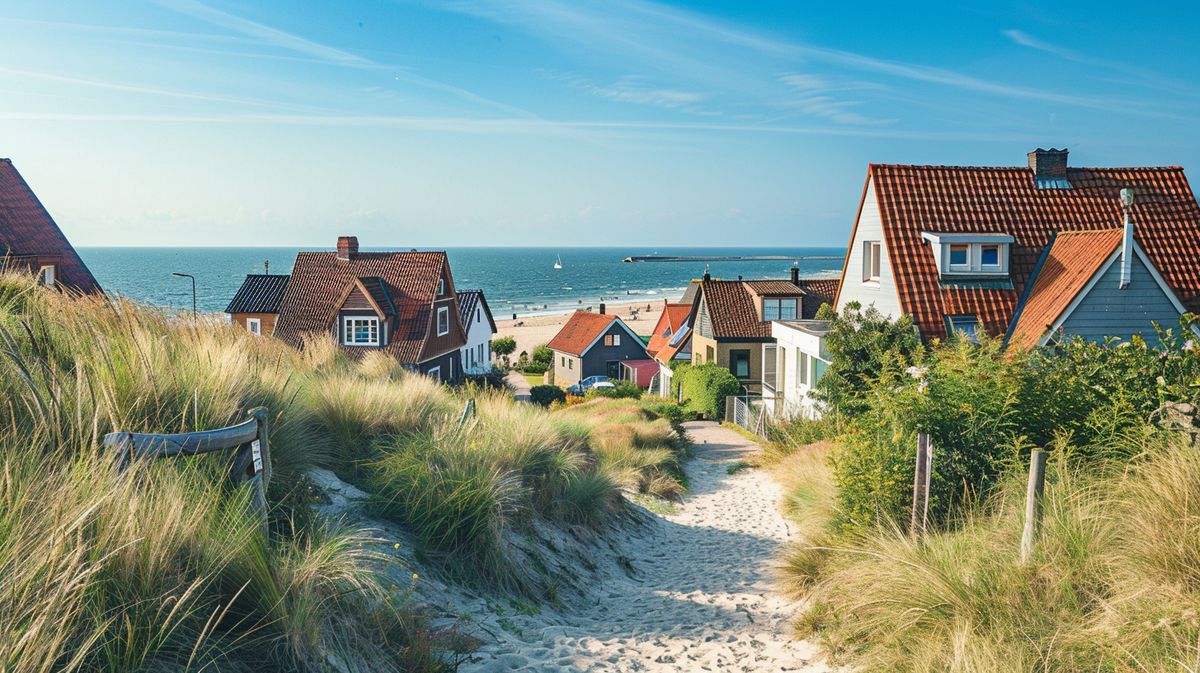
(733, 309)
(954, 199)
(580, 331)
(818, 291)
(28, 231)
(673, 316)
(320, 279)
(1073, 259)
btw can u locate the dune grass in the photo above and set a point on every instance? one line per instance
(1114, 585)
(165, 569)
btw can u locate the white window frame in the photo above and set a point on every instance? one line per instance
(435, 373)
(441, 286)
(46, 275)
(443, 311)
(975, 243)
(368, 320)
(872, 262)
(254, 326)
(965, 265)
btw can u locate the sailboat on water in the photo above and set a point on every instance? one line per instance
(558, 262)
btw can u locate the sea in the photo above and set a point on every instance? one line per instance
(515, 280)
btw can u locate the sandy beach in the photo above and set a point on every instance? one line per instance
(532, 331)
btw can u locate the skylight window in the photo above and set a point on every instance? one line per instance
(964, 327)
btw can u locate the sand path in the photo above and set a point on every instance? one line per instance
(700, 594)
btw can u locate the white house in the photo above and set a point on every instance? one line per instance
(792, 366)
(477, 320)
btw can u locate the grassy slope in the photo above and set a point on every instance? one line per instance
(164, 569)
(1114, 585)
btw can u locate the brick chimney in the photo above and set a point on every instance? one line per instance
(1049, 163)
(347, 247)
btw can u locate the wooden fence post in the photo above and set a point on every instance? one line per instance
(921, 481)
(468, 412)
(1033, 503)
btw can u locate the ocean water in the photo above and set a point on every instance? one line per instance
(515, 280)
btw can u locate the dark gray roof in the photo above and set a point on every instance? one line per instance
(260, 293)
(468, 301)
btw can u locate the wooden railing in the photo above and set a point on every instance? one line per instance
(251, 463)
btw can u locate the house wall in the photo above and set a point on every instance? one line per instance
(884, 295)
(450, 367)
(791, 397)
(595, 361)
(1108, 310)
(479, 334)
(267, 319)
(567, 369)
(453, 341)
(721, 350)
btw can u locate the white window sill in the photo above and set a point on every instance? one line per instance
(374, 345)
(871, 283)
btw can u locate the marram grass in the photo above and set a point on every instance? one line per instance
(164, 569)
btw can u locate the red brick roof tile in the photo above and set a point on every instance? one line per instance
(731, 308)
(27, 230)
(581, 330)
(1073, 259)
(818, 291)
(673, 317)
(916, 199)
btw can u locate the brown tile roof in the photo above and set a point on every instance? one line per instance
(580, 331)
(1073, 259)
(773, 288)
(953, 199)
(259, 293)
(673, 316)
(27, 230)
(319, 279)
(818, 291)
(732, 310)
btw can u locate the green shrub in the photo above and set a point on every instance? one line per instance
(623, 389)
(860, 343)
(533, 367)
(705, 388)
(547, 395)
(665, 408)
(544, 356)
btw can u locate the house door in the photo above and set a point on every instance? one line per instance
(613, 369)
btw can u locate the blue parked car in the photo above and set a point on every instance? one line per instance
(587, 384)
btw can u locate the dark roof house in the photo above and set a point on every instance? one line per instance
(468, 301)
(259, 293)
(30, 239)
(401, 303)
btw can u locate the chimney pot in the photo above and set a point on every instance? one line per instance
(347, 247)
(1049, 163)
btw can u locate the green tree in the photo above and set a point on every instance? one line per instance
(859, 344)
(543, 355)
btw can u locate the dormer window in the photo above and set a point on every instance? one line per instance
(779, 309)
(970, 254)
(360, 331)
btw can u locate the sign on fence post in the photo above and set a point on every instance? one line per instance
(1033, 503)
(921, 481)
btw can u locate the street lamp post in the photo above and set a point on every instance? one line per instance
(188, 275)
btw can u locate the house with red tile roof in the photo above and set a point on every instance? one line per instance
(731, 323)
(593, 344)
(30, 240)
(672, 319)
(401, 303)
(1011, 250)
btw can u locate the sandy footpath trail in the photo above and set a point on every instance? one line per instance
(699, 597)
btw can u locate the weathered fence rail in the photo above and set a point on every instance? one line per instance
(251, 464)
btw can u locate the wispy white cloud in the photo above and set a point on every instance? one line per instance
(631, 89)
(326, 53)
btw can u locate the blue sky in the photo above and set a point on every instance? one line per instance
(540, 122)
